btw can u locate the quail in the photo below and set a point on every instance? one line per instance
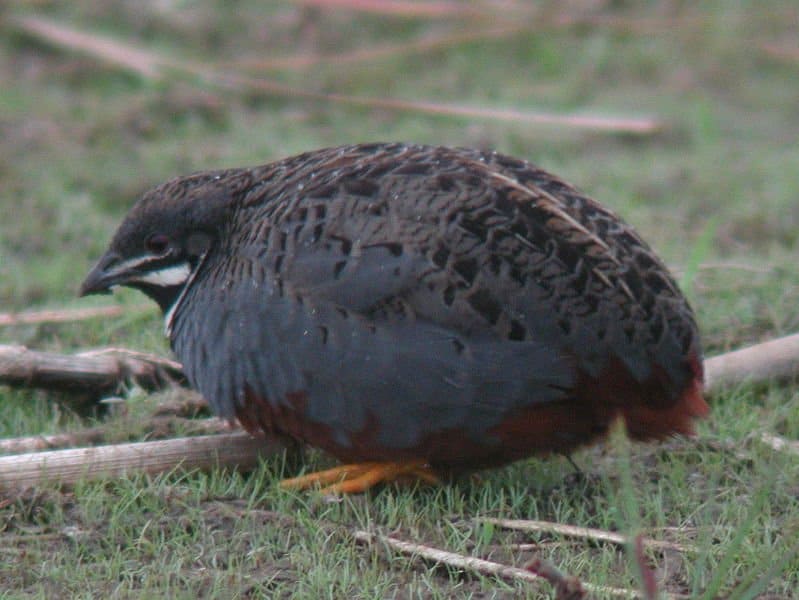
(412, 309)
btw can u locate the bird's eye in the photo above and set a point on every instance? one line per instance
(157, 243)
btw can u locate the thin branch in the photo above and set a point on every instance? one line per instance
(231, 450)
(34, 443)
(598, 535)
(66, 315)
(97, 372)
(592, 122)
(478, 565)
(118, 351)
(158, 427)
(776, 359)
(189, 405)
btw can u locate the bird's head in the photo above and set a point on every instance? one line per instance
(164, 237)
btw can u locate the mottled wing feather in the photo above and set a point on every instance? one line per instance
(482, 243)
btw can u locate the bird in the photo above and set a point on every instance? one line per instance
(412, 310)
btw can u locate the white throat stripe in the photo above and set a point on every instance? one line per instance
(170, 314)
(174, 275)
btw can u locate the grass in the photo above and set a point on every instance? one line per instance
(716, 194)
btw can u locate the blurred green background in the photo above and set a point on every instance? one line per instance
(697, 107)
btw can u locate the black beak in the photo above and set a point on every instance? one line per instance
(102, 277)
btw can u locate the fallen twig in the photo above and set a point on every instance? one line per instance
(780, 444)
(65, 315)
(599, 535)
(634, 125)
(19, 445)
(98, 372)
(775, 359)
(234, 450)
(478, 565)
(158, 427)
(189, 405)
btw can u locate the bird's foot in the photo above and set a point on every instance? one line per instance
(359, 477)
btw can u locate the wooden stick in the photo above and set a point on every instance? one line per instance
(93, 436)
(599, 535)
(479, 565)
(67, 315)
(233, 450)
(98, 372)
(33, 443)
(775, 359)
(189, 405)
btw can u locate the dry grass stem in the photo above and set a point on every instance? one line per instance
(448, 39)
(639, 126)
(599, 535)
(732, 266)
(477, 565)
(411, 8)
(424, 44)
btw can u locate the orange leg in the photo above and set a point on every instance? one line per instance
(359, 477)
